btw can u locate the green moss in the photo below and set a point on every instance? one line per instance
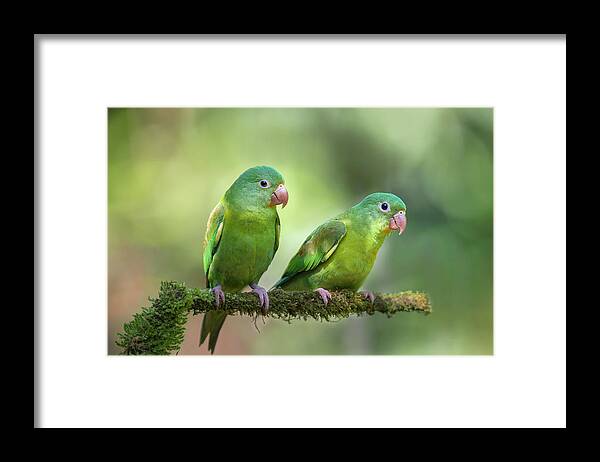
(160, 328)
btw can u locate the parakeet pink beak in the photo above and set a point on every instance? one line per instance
(398, 222)
(279, 196)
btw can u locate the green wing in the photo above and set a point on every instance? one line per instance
(316, 249)
(213, 320)
(214, 231)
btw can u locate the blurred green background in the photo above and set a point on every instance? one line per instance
(167, 168)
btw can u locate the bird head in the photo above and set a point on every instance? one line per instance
(258, 187)
(385, 212)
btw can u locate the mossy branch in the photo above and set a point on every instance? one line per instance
(159, 329)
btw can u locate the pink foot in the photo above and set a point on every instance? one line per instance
(262, 296)
(368, 294)
(325, 295)
(219, 295)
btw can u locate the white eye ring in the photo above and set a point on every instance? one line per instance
(264, 183)
(401, 212)
(384, 207)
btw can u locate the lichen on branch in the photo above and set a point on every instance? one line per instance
(159, 329)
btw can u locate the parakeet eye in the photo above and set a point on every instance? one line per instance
(384, 206)
(402, 212)
(264, 184)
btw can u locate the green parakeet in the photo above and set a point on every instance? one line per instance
(340, 253)
(242, 236)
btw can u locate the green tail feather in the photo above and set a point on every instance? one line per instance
(211, 325)
(281, 282)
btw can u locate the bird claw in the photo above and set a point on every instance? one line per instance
(325, 295)
(219, 295)
(263, 296)
(368, 295)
